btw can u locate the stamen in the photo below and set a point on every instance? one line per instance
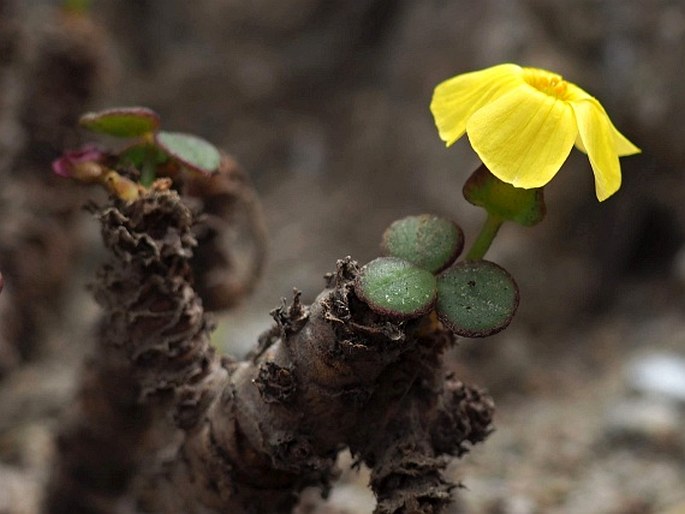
(549, 83)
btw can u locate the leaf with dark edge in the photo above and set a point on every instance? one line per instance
(524, 206)
(122, 121)
(191, 151)
(396, 288)
(429, 242)
(476, 298)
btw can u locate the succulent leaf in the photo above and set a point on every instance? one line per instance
(396, 288)
(476, 298)
(191, 151)
(426, 241)
(122, 121)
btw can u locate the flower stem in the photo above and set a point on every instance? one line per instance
(487, 234)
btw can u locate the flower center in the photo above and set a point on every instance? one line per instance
(546, 82)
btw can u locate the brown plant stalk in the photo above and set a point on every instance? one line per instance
(212, 434)
(48, 76)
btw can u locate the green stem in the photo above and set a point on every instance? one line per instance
(487, 234)
(148, 173)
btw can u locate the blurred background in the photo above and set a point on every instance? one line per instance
(325, 105)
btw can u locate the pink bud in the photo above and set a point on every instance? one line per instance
(64, 166)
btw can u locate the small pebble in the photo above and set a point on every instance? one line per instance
(660, 375)
(648, 420)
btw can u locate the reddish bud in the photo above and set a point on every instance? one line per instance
(77, 163)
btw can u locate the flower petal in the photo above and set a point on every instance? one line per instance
(523, 137)
(623, 146)
(602, 143)
(456, 99)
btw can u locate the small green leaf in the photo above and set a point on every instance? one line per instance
(396, 288)
(122, 121)
(524, 206)
(141, 154)
(146, 158)
(476, 298)
(427, 241)
(191, 151)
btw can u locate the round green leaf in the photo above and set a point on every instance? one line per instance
(476, 298)
(429, 242)
(396, 288)
(122, 121)
(524, 206)
(191, 151)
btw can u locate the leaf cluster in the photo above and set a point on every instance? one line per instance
(418, 275)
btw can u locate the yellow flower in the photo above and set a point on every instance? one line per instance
(523, 122)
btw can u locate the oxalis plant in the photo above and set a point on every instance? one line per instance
(164, 424)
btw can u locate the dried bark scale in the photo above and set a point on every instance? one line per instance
(256, 432)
